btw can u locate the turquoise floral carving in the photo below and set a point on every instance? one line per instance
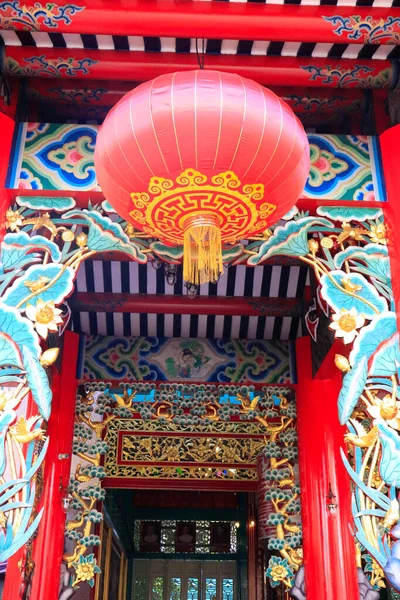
(350, 260)
(278, 571)
(347, 253)
(40, 258)
(86, 569)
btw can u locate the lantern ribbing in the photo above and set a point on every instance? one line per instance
(209, 149)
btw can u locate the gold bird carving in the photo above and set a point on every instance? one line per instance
(22, 431)
(70, 525)
(42, 221)
(349, 286)
(124, 401)
(363, 439)
(247, 403)
(354, 233)
(286, 482)
(79, 476)
(38, 285)
(292, 528)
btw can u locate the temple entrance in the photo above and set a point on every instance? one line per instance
(184, 580)
(180, 545)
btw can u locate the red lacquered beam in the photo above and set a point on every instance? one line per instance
(143, 66)
(219, 20)
(164, 483)
(184, 305)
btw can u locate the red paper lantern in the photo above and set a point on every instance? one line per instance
(201, 158)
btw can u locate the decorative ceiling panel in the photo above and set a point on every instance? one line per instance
(114, 277)
(191, 359)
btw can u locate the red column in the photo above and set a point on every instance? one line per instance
(390, 149)
(329, 549)
(7, 130)
(49, 546)
(14, 580)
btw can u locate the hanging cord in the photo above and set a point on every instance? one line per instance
(200, 56)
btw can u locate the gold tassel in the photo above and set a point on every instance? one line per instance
(202, 249)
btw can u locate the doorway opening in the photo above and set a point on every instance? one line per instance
(184, 580)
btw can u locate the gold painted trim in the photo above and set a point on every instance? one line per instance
(101, 535)
(122, 578)
(107, 565)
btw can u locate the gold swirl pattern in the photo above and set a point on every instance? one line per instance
(167, 204)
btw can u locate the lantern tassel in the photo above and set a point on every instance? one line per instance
(202, 251)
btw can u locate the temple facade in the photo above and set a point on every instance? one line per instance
(199, 417)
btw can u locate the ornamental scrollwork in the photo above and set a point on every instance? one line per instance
(367, 30)
(175, 408)
(346, 249)
(358, 76)
(32, 18)
(183, 413)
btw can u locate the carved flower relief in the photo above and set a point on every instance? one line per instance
(85, 569)
(346, 323)
(45, 316)
(324, 166)
(378, 234)
(278, 570)
(14, 220)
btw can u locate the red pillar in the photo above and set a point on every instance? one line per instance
(390, 149)
(7, 131)
(329, 548)
(49, 546)
(13, 575)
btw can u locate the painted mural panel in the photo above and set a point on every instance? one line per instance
(61, 157)
(55, 157)
(178, 359)
(344, 167)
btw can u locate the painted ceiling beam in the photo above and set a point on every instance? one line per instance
(143, 66)
(75, 92)
(72, 97)
(219, 20)
(186, 305)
